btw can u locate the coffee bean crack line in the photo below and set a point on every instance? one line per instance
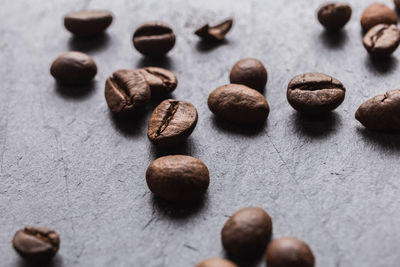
(315, 86)
(375, 37)
(122, 89)
(167, 118)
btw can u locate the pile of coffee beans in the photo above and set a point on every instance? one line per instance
(185, 179)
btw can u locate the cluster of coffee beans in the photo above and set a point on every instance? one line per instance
(381, 39)
(181, 178)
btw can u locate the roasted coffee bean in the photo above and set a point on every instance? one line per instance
(172, 122)
(377, 13)
(216, 263)
(73, 68)
(247, 232)
(315, 93)
(250, 72)
(37, 244)
(289, 252)
(214, 33)
(397, 4)
(154, 39)
(382, 40)
(381, 112)
(333, 16)
(178, 178)
(161, 81)
(127, 91)
(239, 104)
(88, 22)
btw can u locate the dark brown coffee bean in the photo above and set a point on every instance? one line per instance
(315, 93)
(377, 13)
(397, 4)
(172, 122)
(154, 39)
(239, 104)
(382, 40)
(247, 232)
(178, 178)
(215, 33)
(333, 16)
(88, 22)
(250, 72)
(381, 112)
(216, 263)
(73, 68)
(161, 81)
(289, 252)
(36, 244)
(127, 91)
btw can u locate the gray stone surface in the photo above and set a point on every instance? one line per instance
(67, 164)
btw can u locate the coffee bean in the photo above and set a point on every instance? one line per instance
(397, 4)
(37, 244)
(239, 104)
(161, 81)
(289, 252)
(381, 112)
(216, 263)
(73, 68)
(154, 39)
(88, 22)
(127, 91)
(377, 13)
(171, 122)
(214, 33)
(382, 40)
(250, 72)
(333, 16)
(247, 232)
(315, 93)
(178, 178)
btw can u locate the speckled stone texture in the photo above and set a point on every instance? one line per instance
(67, 164)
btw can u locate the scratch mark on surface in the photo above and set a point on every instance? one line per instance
(190, 247)
(5, 138)
(304, 195)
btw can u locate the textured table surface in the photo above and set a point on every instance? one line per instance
(66, 163)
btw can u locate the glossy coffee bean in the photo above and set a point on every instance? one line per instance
(126, 91)
(382, 40)
(216, 263)
(289, 252)
(250, 72)
(154, 39)
(214, 33)
(178, 178)
(73, 68)
(239, 104)
(88, 22)
(333, 16)
(247, 233)
(381, 112)
(161, 81)
(171, 122)
(37, 244)
(315, 93)
(377, 13)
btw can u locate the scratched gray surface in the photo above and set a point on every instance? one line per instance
(67, 164)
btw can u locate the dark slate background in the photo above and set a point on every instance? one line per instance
(66, 163)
